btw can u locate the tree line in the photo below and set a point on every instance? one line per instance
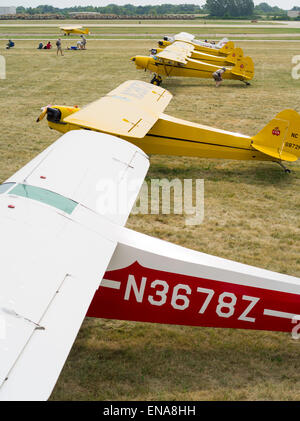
(212, 8)
(114, 9)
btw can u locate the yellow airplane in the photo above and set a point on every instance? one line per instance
(134, 112)
(222, 48)
(175, 60)
(74, 30)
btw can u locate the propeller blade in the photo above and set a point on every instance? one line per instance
(43, 113)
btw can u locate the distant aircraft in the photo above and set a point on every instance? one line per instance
(74, 30)
(222, 48)
(134, 111)
(65, 255)
(176, 60)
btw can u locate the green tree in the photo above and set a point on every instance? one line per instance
(230, 8)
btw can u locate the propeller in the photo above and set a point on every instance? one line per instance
(43, 113)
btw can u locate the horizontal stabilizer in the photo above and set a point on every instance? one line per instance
(284, 156)
(129, 110)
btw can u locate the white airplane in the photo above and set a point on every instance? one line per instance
(66, 255)
(185, 36)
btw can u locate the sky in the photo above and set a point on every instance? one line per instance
(283, 4)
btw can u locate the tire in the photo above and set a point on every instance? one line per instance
(156, 80)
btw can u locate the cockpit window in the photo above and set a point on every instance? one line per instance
(45, 196)
(5, 186)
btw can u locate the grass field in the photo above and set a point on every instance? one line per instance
(252, 215)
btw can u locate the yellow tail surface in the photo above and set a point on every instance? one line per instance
(86, 31)
(235, 55)
(281, 137)
(244, 68)
(227, 48)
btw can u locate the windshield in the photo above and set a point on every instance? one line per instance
(45, 196)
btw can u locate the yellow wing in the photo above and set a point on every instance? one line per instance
(178, 52)
(70, 28)
(129, 110)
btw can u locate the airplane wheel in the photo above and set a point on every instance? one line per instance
(287, 171)
(156, 80)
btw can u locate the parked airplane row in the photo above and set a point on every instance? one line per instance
(184, 56)
(64, 256)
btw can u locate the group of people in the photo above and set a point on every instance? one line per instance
(45, 47)
(81, 45)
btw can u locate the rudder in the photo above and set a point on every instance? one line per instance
(235, 55)
(280, 138)
(244, 68)
(227, 48)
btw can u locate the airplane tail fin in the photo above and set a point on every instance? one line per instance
(244, 68)
(227, 48)
(280, 138)
(222, 42)
(236, 55)
(87, 31)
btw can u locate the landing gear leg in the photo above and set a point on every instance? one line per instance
(286, 170)
(156, 80)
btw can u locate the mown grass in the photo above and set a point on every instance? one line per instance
(251, 216)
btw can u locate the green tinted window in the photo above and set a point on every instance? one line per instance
(6, 186)
(45, 196)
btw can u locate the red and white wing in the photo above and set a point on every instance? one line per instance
(55, 246)
(152, 280)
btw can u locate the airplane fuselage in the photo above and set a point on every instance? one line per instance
(193, 68)
(173, 136)
(243, 70)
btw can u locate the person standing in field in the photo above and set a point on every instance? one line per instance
(58, 45)
(83, 42)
